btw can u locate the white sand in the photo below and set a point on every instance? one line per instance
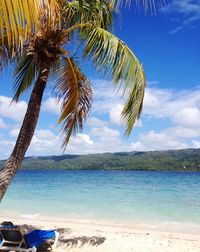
(96, 237)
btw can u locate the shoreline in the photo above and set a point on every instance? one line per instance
(92, 237)
(153, 226)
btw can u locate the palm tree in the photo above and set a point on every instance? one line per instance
(19, 18)
(46, 50)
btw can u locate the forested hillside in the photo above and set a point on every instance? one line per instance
(178, 160)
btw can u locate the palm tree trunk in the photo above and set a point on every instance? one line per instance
(11, 166)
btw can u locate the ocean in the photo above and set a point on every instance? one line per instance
(139, 199)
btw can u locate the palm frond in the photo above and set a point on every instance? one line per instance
(25, 73)
(19, 18)
(145, 4)
(5, 53)
(117, 61)
(75, 92)
(93, 11)
(3, 58)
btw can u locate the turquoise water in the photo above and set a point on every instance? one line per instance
(117, 196)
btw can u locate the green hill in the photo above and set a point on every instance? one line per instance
(176, 160)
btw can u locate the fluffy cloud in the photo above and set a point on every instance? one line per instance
(82, 139)
(188, 117)
(159, 140)
(96, 122)
(115, 114)
(105, 133)
(81, 144)
(196, 144)
(177, 106)
(180, 108)
(180, 111)
(183, 132)
(14, 111)
(105, 97)
(44, 142)
(51, 105)
(100, 140)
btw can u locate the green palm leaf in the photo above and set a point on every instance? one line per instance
(5, 53)
(25, 74)
(75, 92)
(146, 4)
(96, 12)
(116, 60)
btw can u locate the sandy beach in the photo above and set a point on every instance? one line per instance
(91, 237)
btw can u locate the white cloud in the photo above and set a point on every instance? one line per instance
(96, 122)
(151, 100)
(15, 111)
(44, 142)
(108, 101)
(105, 133)
(173, 105)
(138, 146)
(104, 89)
(188, 116)
(196, 144)
(158, 141)
(82, 138)
(51, 105)
(105, 97)
(100, 140)
(158, 103)
(115, 114)
(81, 144)
(183, 132)
(180, 109)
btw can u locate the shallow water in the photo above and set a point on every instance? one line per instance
(117, 196)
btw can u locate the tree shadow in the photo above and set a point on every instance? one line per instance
(83, 240)
(71, 242)
(27, 228)
(63, 232)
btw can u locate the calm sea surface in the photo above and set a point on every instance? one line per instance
(113, 196)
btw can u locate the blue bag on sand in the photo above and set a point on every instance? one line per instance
(38, 237)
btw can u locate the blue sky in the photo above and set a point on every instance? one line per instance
(168, 45)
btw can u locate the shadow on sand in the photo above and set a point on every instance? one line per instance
(71, 242)
(83, 240)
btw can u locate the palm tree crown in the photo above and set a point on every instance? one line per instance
(89, 23)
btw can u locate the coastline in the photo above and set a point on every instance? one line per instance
(95, 236)
(135, 212)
